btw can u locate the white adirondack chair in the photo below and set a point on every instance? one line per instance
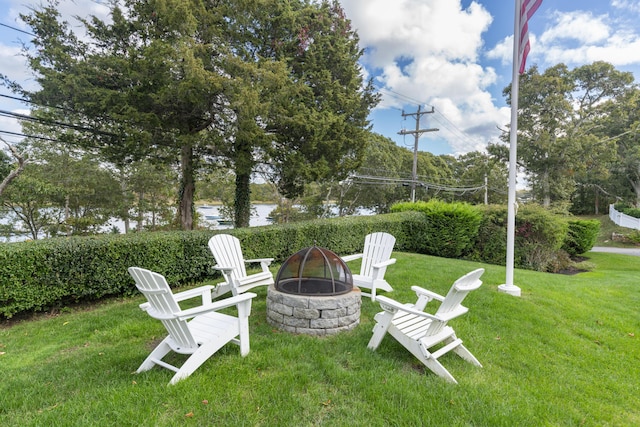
(419, 332)
(228, 255)
(376, 257)
(203, 335)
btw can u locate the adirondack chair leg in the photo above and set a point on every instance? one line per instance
(383, 321)
(196, 359)
(437, 368)
(158, 353)
(244, 310)
(466, 355)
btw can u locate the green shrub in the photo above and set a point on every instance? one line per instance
(634, 212)
(538, 237)
(449, 229)
(491, 241)
(634, 237)
(622, 206)
(581, 236)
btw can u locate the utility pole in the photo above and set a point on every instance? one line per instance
(416, 134)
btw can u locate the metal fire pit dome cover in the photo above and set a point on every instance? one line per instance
(314, 271)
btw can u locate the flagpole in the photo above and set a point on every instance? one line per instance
(508, 287)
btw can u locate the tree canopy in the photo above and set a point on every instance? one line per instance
(204, 85)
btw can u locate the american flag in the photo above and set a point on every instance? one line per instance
(527, 9)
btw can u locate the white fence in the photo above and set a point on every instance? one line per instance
(623, 220)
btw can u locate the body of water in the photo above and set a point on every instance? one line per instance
(209, 217)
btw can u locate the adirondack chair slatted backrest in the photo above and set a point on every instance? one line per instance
(452, 306)
(377, 248)
(227, 252)
(163, 305)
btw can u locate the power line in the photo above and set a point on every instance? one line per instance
(17, 29)
(29, 136)
(448, 124)
(28, 101)
(372, 179)
(54, 122)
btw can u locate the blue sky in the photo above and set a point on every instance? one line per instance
(452, 55)
(456, 56)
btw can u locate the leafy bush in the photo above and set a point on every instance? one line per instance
(491, 241)
(634, 237)
(622, 206)
(634, 212)
(538, 237)
(581, 236)
(449, 229)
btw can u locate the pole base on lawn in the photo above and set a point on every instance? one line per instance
(510, 289)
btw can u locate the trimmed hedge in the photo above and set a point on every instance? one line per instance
(45, 274)
(49, 274)
(449, 229)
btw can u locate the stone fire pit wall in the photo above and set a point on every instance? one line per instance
(311, 314)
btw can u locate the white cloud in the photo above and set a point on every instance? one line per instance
(503, 51)
(615, 54)
(429, 51)
(415, 28)
(579, 38)
(10, 127)
(579, 26)
(11, 59)
(627, 5)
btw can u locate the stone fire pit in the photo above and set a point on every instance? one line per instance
(314, 294)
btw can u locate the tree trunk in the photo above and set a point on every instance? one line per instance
(125, 210)
(140, 210)
(14, 172)
(636, 189)
(244, 168)
(546, 191)
(243, 200)
(597, 197)
(187, 189)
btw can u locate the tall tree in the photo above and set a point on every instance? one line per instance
(544, 115)
(146, 85)
(476, 169)
(622, 127)
(559, 109)
(302, 105)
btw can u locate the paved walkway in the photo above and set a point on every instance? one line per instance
(623, 251)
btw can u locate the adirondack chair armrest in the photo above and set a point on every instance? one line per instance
(215, 306)
(353, 257)
(431, 295)
(203, 291)
(393, 306)
(225, 270)
(384, 263)
(264, 263)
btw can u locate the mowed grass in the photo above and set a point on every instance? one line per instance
(566, 353)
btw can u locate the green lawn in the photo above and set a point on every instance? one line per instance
(565, 353)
